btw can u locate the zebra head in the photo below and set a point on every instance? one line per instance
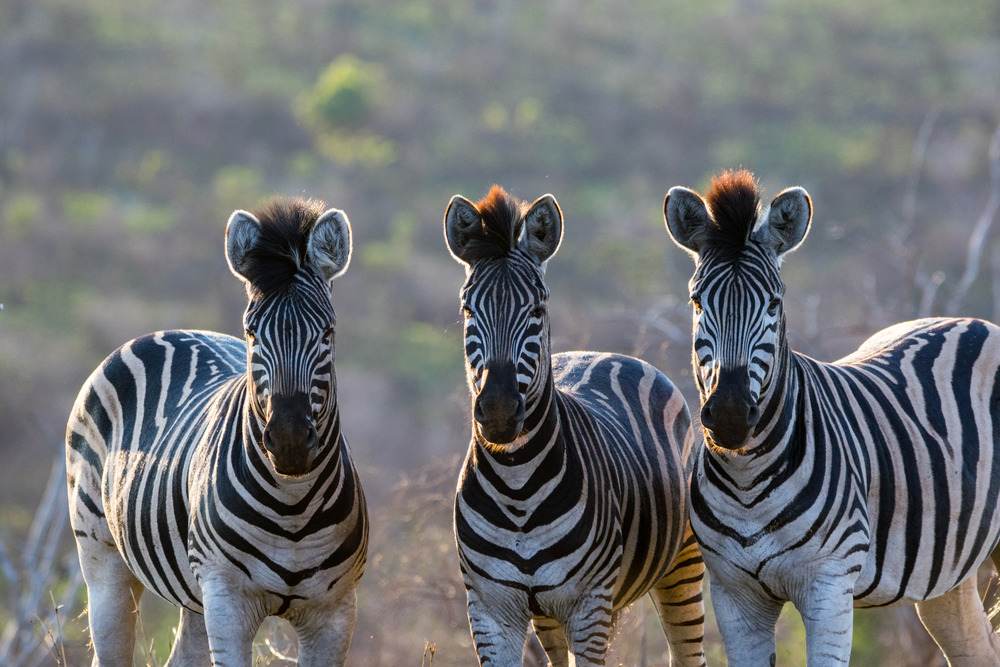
(739, 322)
(287, 256)
(504, 245)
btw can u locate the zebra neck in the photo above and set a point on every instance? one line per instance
(329, 461)
(779, 412)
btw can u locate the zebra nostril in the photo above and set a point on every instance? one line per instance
(753, 415)
(706, 416)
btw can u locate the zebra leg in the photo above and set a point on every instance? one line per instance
(552, 638)
(191, 645)
(325, 633)
(958, 623)
(828, 615)
(681, 606)
(113, 595)
(231, 621)
(589, 630)
(499, 642)
(747, 626)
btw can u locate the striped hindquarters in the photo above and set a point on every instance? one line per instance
(926, 402)
(130, 439)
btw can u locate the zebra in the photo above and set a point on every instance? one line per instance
(213, 470)
(866, 482)
(573, 498)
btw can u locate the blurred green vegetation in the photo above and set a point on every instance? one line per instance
(130, 130)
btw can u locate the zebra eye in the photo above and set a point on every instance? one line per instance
(467, 312)
(773, 305)
(538, 311)
(327, 335)
(251, 333)
(696, 302)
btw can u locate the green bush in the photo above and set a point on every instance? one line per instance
(20, 212)
(344, 97)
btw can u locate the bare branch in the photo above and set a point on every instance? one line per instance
(928, 286)
(909, 206)
(977, 239)
(34, 625)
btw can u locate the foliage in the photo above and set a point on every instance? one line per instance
(339, 109)
(344, 95)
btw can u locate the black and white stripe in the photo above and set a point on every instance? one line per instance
(573, 499)
(213, 470)
(866, 482)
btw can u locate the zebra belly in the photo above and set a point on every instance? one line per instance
(148, 520)
(740, 550)
(907, 569)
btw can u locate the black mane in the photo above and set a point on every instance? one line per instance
(279, 254)
(502, 220)
(734, 202)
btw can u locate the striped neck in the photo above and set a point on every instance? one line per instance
(540, 432)
(779, 404)
(775, 447)
(255, 461)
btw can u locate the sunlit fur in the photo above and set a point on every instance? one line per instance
(867, 482)
(735, 287)
(585, 510)
(171, 487)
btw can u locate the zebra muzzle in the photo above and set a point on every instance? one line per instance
(729, 414)
(499, 409)
(290, 435)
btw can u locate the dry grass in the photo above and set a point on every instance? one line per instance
(411, 596)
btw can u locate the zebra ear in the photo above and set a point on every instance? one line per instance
(242, 233)
(543, 229)
(459, 218)
(329, 247)
(787, 221)
(687, 219)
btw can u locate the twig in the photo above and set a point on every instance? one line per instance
(429, 651)
(978, 237)
(923, 140)
(32, 573)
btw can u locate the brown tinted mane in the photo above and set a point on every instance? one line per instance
(734, 202)
(277, 256)
(502, 219)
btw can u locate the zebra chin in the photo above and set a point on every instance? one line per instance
(730, 439)
(295, 466)
(291, 456)
(500, 433)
